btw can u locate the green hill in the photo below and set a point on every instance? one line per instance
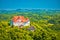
(46, 24)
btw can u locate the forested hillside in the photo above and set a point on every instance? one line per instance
(46, 24)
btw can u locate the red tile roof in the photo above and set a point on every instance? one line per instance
(15, 18)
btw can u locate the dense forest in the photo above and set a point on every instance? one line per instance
(45, 22)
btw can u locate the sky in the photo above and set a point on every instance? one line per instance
(17, 4)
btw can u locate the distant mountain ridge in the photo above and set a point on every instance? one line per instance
(27, 10)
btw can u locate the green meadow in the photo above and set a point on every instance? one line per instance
(46, 24)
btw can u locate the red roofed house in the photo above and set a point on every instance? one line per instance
(20, 21)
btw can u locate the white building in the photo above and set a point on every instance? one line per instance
(20, 21)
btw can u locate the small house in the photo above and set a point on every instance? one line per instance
(20, 21)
